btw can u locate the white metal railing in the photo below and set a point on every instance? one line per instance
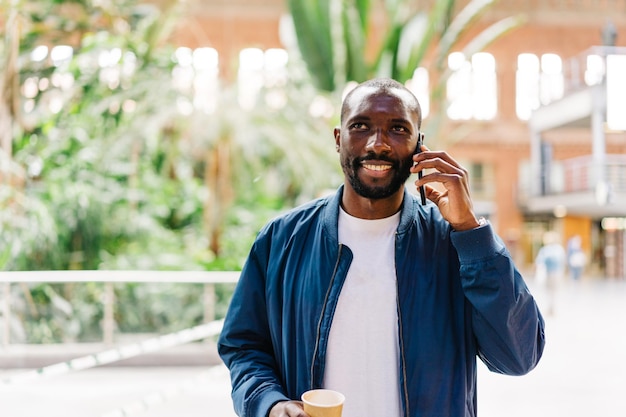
(578, 173)
(588, 67)
(208, 278)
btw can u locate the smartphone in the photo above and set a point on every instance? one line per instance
(418, 149)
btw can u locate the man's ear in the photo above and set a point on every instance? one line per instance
(337, 133)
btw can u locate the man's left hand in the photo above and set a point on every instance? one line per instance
(454, 201)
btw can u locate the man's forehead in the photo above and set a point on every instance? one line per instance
(362, 92)
(364, 95)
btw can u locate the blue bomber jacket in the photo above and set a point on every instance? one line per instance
(459, 296)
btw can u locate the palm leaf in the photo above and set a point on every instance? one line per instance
(437, 22)
(338, 42)
(363, 8)
(492, 33)
(312, 25)
(355, 32)
(459, 25)
(385, 61)
(412, 42)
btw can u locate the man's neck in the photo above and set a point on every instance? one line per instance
(368, 208)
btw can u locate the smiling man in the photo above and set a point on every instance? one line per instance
(372, 131)
(373, 294)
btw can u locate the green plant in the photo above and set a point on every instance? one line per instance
(334, 37)
(107, 173)
(336, 40)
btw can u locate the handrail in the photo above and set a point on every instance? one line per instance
(116, 354)
(110, 277)
(203, 277)
(579, 173)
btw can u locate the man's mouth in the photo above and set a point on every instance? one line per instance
(373, 167)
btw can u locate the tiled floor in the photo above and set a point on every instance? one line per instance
(582, 373)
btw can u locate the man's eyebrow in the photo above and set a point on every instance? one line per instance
(359, 117)
(362, 117)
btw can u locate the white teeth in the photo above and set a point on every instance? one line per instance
(377, 167)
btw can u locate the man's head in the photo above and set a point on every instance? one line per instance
(383, 84)
(380, 123)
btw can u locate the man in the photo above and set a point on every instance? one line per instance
(373, 294)
(550, 266)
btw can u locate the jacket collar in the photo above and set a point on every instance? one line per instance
(408, 213)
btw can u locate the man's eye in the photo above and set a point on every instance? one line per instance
(399, 129)
(358, 126)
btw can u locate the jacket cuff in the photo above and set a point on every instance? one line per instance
(264, 403)
(475, 244)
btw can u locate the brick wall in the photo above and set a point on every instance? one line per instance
(563, 27)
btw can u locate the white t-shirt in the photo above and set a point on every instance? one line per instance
(362, 360)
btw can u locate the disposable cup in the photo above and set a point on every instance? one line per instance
(323, 403)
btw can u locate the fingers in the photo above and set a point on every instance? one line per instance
(288, 409)
(450, 176)
(446, 169)
(296, 409)
(441, 161)
(454, 199)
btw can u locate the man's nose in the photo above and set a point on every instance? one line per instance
(378, 142)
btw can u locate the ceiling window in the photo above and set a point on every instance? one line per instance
(538, 81)
(526, 85)
(551, 83)
(262, 70)
(472, 87)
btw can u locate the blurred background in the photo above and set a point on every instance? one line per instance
(144, 143)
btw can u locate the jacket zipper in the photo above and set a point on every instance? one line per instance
(322, 314)
(401, 341)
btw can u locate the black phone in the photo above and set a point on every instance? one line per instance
(418, 149)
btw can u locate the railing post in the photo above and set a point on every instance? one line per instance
(108, 324)
(209, 302)
(6, 314)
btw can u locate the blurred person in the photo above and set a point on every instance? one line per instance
(372, 293)
(576, 258)
(550, 264)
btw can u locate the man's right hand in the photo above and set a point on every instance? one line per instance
(288, 409)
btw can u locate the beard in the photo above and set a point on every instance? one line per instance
(401, 172)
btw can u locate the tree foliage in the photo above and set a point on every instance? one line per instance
(109, 166)
(354, 40)
(336, 38)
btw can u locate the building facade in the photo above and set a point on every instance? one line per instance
(510, 116)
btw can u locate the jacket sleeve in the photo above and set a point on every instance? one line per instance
(245, 344)
(506, 321)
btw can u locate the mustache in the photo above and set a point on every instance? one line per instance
(373, 157)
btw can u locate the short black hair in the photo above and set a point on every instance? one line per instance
(384, 85)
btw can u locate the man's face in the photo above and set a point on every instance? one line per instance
(377, 140)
